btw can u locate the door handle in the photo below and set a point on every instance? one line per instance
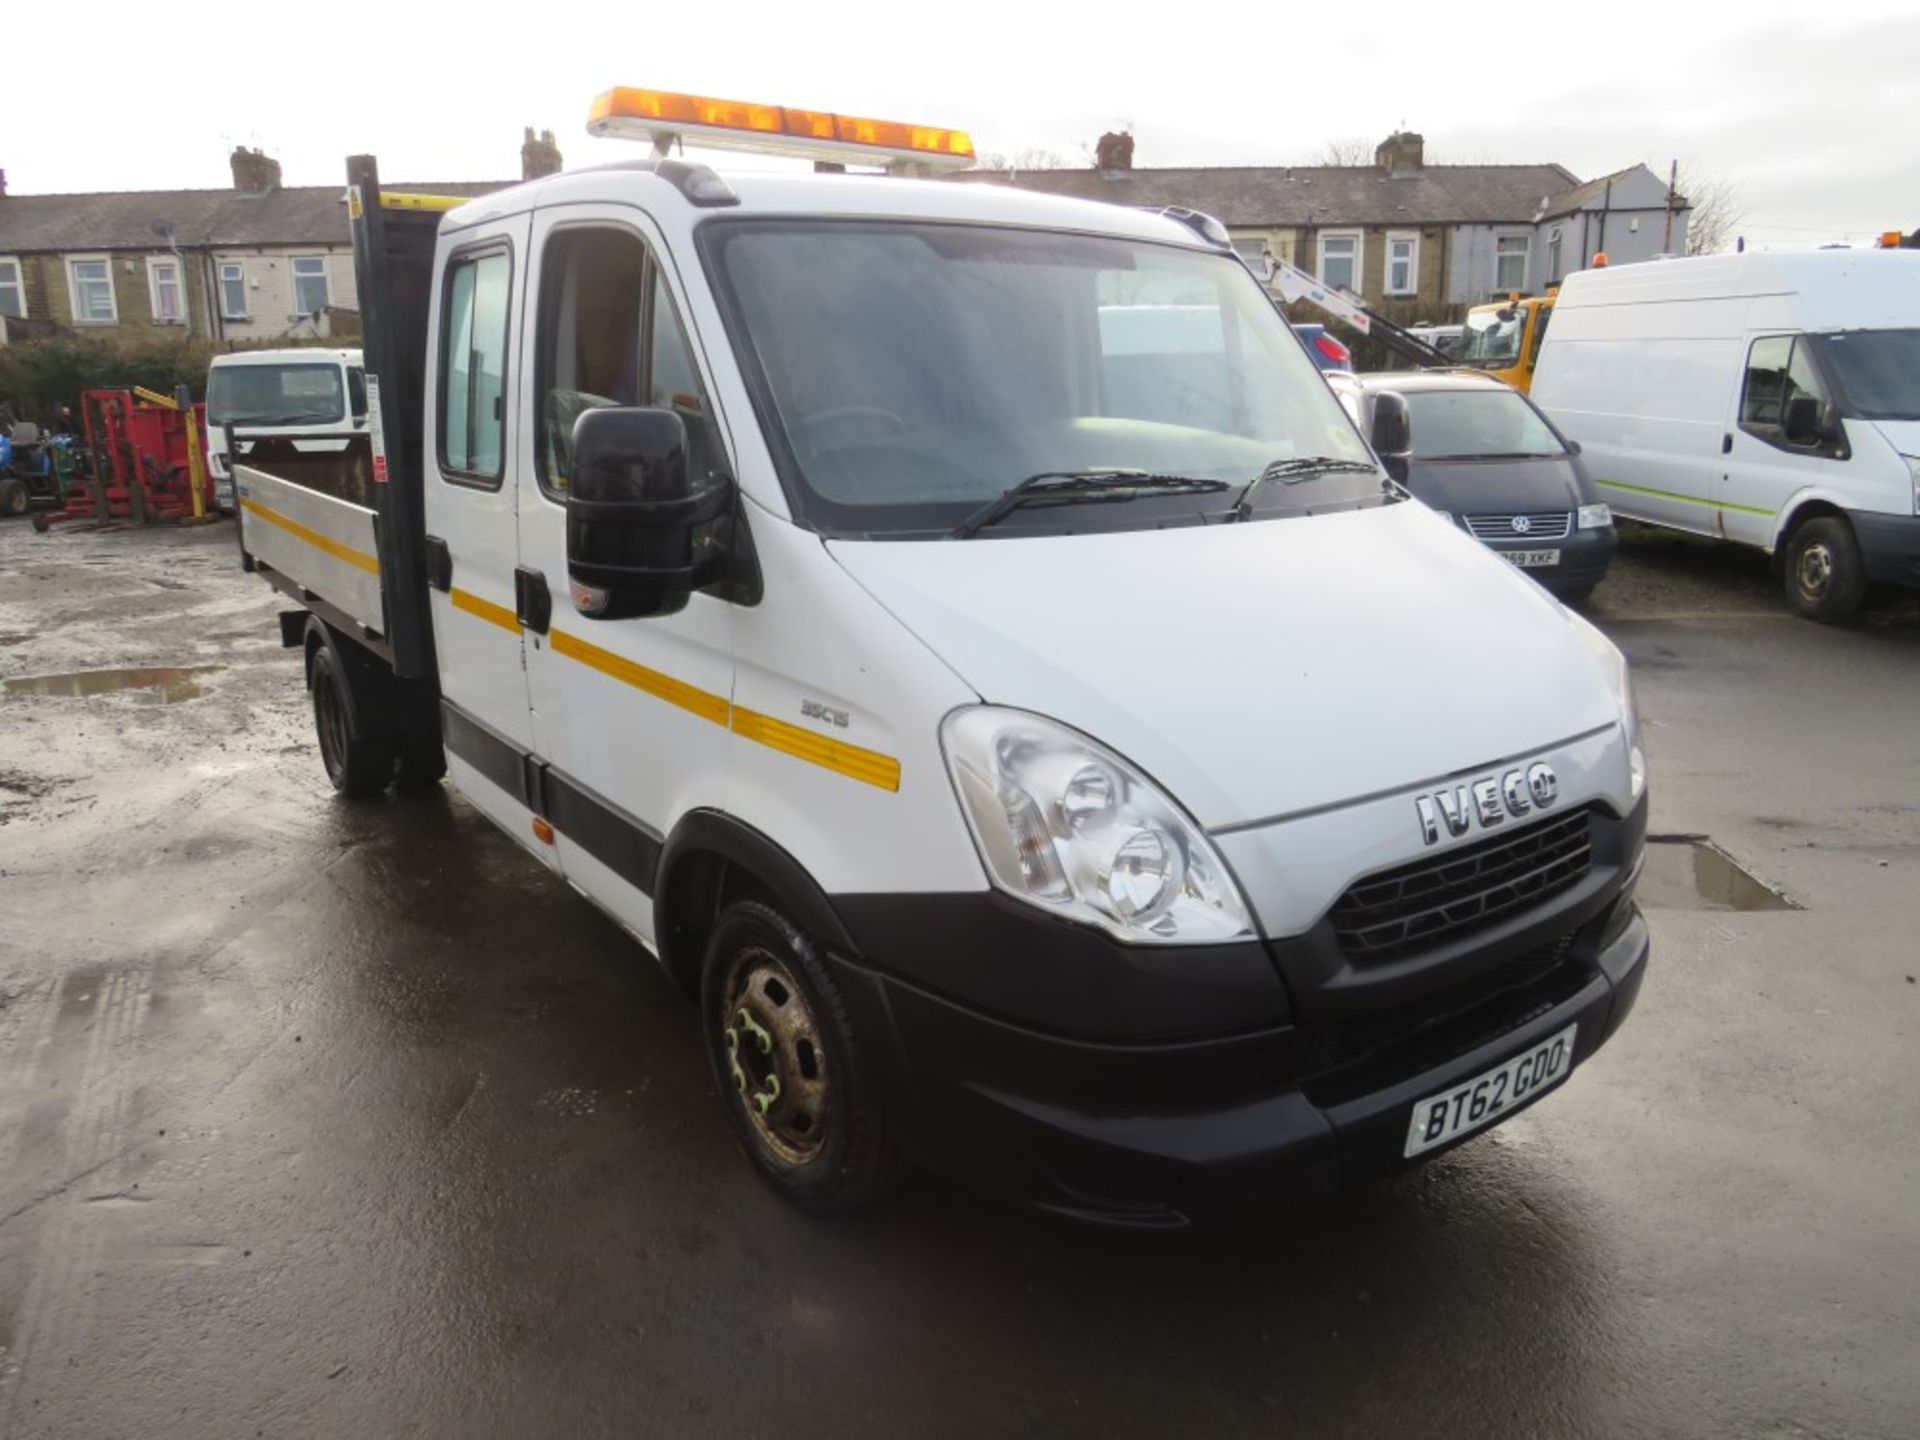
(439, 564)
(1726, 443)
(532, 601)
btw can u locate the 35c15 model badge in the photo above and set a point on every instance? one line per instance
(1486, 802)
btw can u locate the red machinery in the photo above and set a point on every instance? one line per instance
(146, 458)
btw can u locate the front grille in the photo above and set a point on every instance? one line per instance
(1541, 525)
(1463, 890)
(1344, 1058)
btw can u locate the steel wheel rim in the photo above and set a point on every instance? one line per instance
(1816, 569)
(332, 724)
(776, 1062)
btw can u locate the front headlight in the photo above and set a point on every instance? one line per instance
(1065, 824)
(1595, 517)
(1621, 682)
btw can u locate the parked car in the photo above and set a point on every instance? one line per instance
(319, 395)
(1771, 400)
(1327, 352)
(1482, 453)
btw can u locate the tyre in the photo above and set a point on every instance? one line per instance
(1576, 596)
(789, 1065)
(14, 497)
(359, 765)
(1824, 573)
(423, 760)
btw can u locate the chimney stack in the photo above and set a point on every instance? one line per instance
(1114, 152)
(1401, 152)
(538, 155)
(254, 171)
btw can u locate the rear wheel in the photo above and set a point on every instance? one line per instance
(359, 765)
(14, 497)
(1824, 573)
(789, 1065)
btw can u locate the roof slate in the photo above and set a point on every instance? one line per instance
(124, 219)
(1318, 195)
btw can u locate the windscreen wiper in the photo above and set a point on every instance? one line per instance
(1292, 472)
(1070, 487)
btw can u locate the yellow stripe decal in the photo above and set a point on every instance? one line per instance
(703, 703)
(401, 200)
(1685, 499)
(869, 766)
(816, 749)
(488, 611)
(357, 558)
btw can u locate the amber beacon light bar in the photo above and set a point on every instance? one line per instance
(662, 118)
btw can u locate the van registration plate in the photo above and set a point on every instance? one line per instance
(1485, 1098)
(1531, 559)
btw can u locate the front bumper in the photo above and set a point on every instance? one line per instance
(1157, 1133)
(1584, 558)
(1890, 545)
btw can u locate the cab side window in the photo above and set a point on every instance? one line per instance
(1778, 368)
(473, 367)
(608, 336)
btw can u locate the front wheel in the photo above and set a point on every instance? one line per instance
(14, 497)
(789, 1065)
(360, 766)
(1826, 578)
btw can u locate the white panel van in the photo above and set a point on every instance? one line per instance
(1771, 400)
(315, 393)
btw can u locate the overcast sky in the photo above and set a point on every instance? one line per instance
(1810, 113)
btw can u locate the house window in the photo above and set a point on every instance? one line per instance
(1403, 263)
(1340, 260)
(233, 290)
(1253, 251)
(163, 283)
(1553, 257)
(309, 283)
(1510, 263)
(13, 294)
(92, 285)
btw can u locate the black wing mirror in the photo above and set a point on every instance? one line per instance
(1393, 433)
(1809, 421)
(632, 510)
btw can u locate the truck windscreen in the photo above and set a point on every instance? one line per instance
(264, 395)
(915, 372)
(1488, 339)
(1879, 372)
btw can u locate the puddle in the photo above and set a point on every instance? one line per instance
(170, 683)
(1690, 872)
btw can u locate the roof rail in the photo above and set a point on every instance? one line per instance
(700, 184)
(1198, 221)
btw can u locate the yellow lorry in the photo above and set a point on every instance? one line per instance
(1503, 338)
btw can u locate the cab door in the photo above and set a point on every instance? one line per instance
(631, 716)
(472, 523)
(1762, 469)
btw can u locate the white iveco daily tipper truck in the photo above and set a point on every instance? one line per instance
(1070, 766)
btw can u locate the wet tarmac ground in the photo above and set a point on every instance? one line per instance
(331, 1119)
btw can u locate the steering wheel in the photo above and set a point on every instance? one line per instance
(854, 414)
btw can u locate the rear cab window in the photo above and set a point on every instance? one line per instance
(473, 367)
